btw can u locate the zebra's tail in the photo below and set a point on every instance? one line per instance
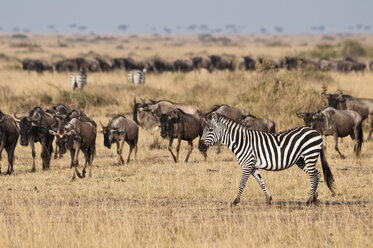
(328, 176)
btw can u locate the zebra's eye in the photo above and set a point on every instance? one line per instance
(210, 130)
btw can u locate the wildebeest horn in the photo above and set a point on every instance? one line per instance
(134, 100)
(36, 119)
(62, 116)
(101, 125)
(17, 117)
(340, 92)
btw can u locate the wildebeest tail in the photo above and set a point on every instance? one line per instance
(328, 176)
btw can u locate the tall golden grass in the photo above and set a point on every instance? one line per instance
(153, 202)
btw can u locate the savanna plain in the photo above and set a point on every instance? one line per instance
(153, 202)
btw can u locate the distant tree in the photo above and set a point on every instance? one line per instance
(167, 30)
(51, 26)
(123, 27)
(350, 27)
(192, 27)
(16, 29)
(178, 27)
(352, 48)
(154, 29)
(82, 28)
(367, 27)
(278, 29)
(359, 26)
(321, 28)
(203, 27)
(263, 30)
(72, 25)
(230, 26)
(26, 30)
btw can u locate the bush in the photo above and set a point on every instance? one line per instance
(352, 48)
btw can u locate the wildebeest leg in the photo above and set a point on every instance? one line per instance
(260, 180)
(336, 146)
(178, 148)
(119, 151)
(10, 151)
(219, 148)
(56, 151)
(170, 148)
(75, 162)
(47, 149)
(324, 142)
(190, 146)
(32, 145)
(131, 148)
(371, 126)
(2, 144)
(87, 160)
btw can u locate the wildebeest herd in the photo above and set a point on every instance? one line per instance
(210, 63)
(75, 131)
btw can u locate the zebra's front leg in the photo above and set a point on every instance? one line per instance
(246, 171)
(260, 180)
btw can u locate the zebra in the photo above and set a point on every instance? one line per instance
(269, 151)
(78, 80)
(137, 76)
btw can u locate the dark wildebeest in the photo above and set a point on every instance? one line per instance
(34, 128)
(120, 130)
(146, 114)
(183, 126)
(233, 113)
(338, 123)
(364, 106)
(258, 124)
(247, 64)
(9, 134)
(59, 111)
(77, 135)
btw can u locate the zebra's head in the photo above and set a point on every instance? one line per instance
(212, 132)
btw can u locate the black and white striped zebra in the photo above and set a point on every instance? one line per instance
(137, 76)
(279, 151)
(78, 80)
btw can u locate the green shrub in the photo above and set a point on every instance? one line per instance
(352, 48)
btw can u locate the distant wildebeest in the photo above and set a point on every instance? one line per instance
(221, 63)
(77, 135)
(258, 124)
(78, 80)
(120, 130)
(9, 134)
(247, 64)
(273, 152)
(364, 106)
(137, 76)
(34, 128)
(371, 65)
(201, 62)
(338, 123)
(183, 65)
(36, 65)
(183, 126)
(327, 65)
(265, 64)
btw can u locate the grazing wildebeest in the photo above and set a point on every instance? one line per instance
(338, 123)
(183, 126)
(9, 134)
(273, 152)
(77, 135)
(34, 128)
(364, 106)
(120, 130)
(258, 124)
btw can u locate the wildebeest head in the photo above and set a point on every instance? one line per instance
(25, 126)
(168, 120)
(311, 119)
(337, 101)
(144, 116)
(164, 121)
(111, 135)
(61, 136)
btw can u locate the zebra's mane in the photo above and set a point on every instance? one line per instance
(223, 117)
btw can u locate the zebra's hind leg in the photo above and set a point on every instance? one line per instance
(246, 171)
(260, 180)
(314, 174)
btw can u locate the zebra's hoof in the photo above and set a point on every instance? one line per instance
(269, 200)
(235, 202)
(312, 200)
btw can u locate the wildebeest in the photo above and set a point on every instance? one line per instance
(338, 123)
(36, 65)
(183, 65)
(77, 135)
(364, 106)
(146, 114)
(120, 130)
(34, 128)
(221, 63)
(201, 62)
(247, 64)
(9, 134)
(183, 126)
(258, 124)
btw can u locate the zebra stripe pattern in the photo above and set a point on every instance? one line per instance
(257, 150)
(78, 80)
(137, 76)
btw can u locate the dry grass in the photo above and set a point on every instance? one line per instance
(154, 202)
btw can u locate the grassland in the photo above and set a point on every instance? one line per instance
(153, 202)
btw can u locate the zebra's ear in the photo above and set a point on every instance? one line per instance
(214, 116)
